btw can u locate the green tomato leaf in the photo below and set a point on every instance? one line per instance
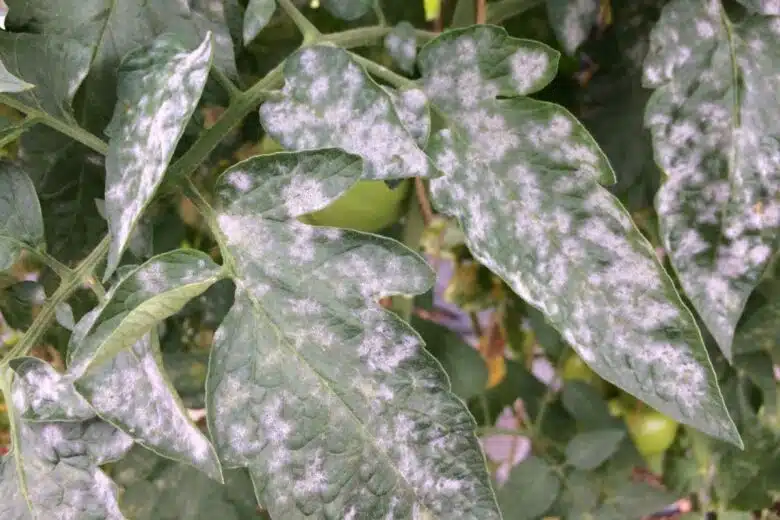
(716, 136)
(589, 450)
(132, 392)
(107, 30)
(572, 21)
(530, 490)
(56, 66)
(401, 45)
(145, 296)
(152, 490)
(411, 105)
(21, 222)
(331, 402)
(258, 14)
(522, 177)
(329, 101)
(770, 7)
(348, 9)
(586, 405)
(633, 500)
(159, 88)
(52, 470)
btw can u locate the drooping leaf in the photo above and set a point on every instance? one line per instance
(132, 392)
(159, 489)
(572, 21)
(401, 45)
(330, 401)
(55, 66)
(258, 14)
(107, 30)
(159, 88)
(348, 9)
(330, 102)
(522, 176)
(716, 137)
(589, 450)
(144, 297)
(21, 223)
(52, 470)
(529, 492)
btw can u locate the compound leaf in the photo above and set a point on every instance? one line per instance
(329, 101)
(258, 14)
(522, 176)
(331, 402)
(52, 470)
(21, 222)
(716, 136)
(143, 297)
(159, 88)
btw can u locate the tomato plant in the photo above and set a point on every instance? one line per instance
(473, 259)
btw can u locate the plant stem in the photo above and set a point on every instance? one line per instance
(231, 88)
(227, 122)
(68, 286)
(72, 130)
(308, 30)
(380, 15)
(382, 72)
(363, 36)
(504, 9)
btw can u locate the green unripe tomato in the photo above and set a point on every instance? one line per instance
(367, 206)
(575, 369)
(616, 407)
(651, 431)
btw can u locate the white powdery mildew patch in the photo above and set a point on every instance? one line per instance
(570, 249)
(401, 45)
(329, 400)
(159, 88)
(40, 393)
(412, 107)
(338, 105)
(60, 466)
(720, 209)
(573, 20)
(132, 393)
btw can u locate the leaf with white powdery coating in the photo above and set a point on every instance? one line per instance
(144, 297)
(42, 394)
(10, 83)
(770, 7)
(258, 14)
(522, 176)
(329, 101)
(401, 45)
(53, 469)
(572, 21)
(716, 134)
(331, 401)
(159, 88)
(133, 392)
(21, 222)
